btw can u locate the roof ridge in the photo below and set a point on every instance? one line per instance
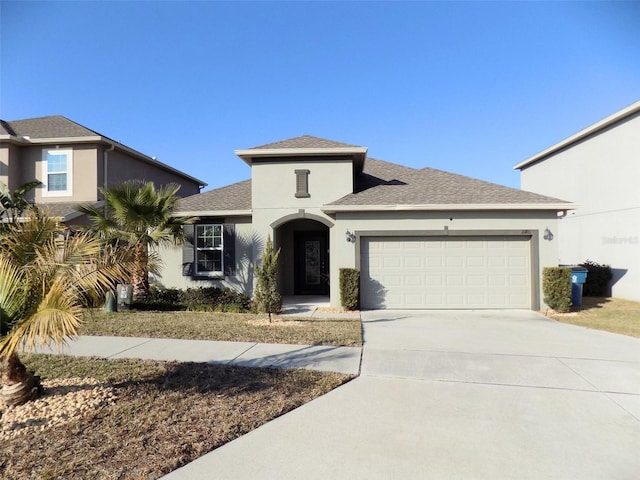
(304, 141)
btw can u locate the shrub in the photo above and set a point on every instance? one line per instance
(267, 298)
(598, 278)
(162, 299)
(197, 299)
(556, 287)
(349, 288)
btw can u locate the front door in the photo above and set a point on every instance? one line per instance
(311, 258)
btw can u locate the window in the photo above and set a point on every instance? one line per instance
(56, 172)
(302, 184)
(209, 250)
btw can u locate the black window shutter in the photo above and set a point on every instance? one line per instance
(229, 242)
(188, 250)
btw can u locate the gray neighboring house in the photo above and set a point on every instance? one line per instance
(421, 238)
(73, 162)
(599, 169)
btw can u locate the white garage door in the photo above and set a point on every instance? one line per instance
(445, 272)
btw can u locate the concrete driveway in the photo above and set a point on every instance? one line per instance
(459, 395)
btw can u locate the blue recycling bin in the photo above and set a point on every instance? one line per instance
(578, 278)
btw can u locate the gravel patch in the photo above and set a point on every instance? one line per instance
(64, 400)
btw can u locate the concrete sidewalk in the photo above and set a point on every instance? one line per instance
(246, 354)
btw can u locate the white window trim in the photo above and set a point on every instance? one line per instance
(214, 274)
(45, 173)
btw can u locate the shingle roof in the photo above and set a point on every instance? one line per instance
(60, 209)
(55, 126)
(384, 183)
(304, 141)
(232, 197)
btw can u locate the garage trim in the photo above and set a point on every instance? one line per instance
(533, 236)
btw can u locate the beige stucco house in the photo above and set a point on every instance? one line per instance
(599, 169)
(421, 238)
(73, 162)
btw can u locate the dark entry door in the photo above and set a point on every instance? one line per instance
(311, 258)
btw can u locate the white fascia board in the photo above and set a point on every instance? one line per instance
(61, 140)
(449, 207)
(248, 154)
(214, 213)
(13, 139)
(601, 125)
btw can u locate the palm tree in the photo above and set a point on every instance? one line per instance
(140, 216)
(46, 273)
(12, 205)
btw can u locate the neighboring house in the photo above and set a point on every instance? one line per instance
(73, 162)
(599, 169)
(421, 238)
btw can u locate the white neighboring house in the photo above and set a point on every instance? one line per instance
(599, 169)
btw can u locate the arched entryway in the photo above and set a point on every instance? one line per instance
(304, 257)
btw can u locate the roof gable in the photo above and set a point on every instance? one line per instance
(596, 128)
(55, 126)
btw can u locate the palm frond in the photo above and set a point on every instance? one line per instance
(57, 317)
(12, 291)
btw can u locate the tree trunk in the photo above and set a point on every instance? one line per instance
(140, 275)
(19, 386)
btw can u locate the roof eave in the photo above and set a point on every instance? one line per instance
(213, 213)
(249, 154)
(596, 127)
(450, 207)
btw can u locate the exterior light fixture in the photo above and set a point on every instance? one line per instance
(547, 234)
(350, 236)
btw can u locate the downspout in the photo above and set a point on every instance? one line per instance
(105, 168)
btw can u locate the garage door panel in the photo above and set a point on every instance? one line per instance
(422, 272)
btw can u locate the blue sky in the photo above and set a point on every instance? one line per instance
(468, 87)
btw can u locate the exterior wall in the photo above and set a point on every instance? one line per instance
(20, 164)
(345, 254)
(122, 167)
(171, 275)
(83, 174)
(602, 174)
(251, 238)
(10, 166)
(274, 183)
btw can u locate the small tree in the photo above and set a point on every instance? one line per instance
(46, 275)
(140, 216)
(267, 298)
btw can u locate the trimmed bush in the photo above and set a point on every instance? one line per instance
(598, 278)
(197, 299)
(349, 288)
(556, 287)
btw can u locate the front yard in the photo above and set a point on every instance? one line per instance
(609, 314)
(132, 419)
(238, 327)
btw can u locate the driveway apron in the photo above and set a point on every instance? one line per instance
(459, 394)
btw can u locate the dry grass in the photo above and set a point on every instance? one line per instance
(166, 414)
(609, 314)
(225, 327)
